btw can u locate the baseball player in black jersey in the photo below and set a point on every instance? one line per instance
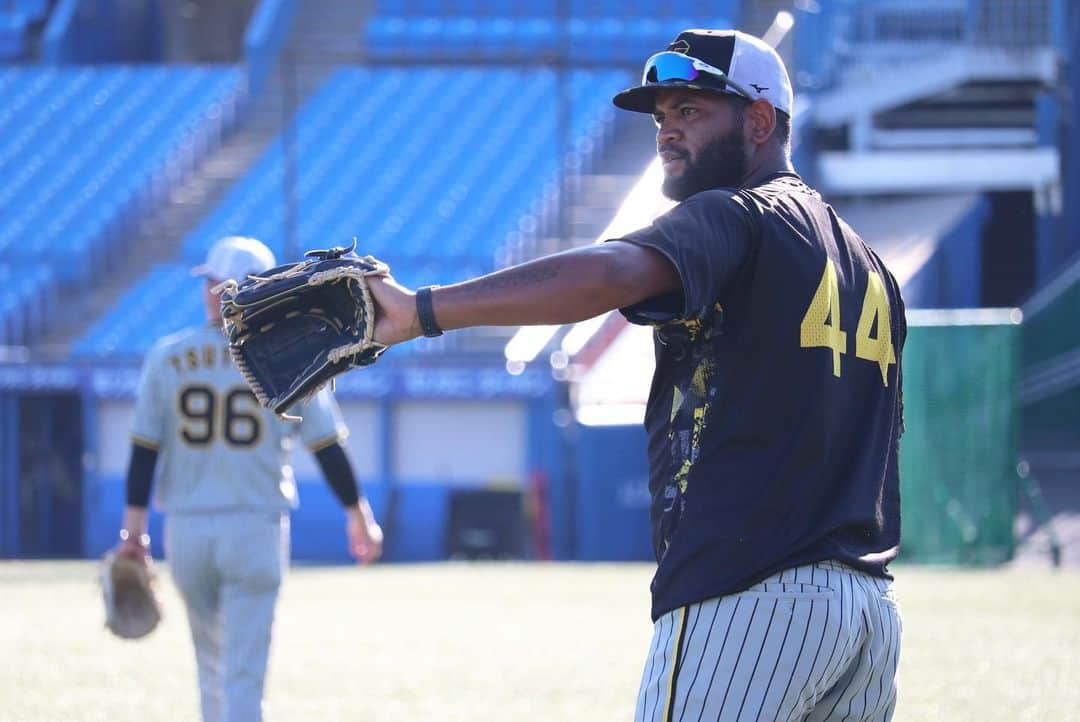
(775, 411)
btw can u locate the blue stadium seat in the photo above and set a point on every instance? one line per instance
(139, 129)
(167, 299)
(606, 31)
(432, 168)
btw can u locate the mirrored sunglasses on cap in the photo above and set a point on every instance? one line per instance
(669, 65)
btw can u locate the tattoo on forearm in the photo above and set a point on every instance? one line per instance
(521, 276)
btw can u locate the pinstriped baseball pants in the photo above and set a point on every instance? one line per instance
(817, 643)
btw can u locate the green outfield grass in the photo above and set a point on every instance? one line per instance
(507, 643)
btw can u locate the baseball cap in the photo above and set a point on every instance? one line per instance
(724, 61)
(235, 257)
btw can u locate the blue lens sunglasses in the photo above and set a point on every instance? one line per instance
(669, 65)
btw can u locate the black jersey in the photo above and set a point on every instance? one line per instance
(775, 411)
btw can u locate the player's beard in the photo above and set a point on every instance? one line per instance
(720, 164)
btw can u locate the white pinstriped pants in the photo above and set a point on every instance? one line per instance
(817, 643)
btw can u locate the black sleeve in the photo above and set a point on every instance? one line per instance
(140, 475)
(338, 470)
(706, 237)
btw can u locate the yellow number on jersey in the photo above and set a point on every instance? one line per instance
(821, 324)
(879, 349)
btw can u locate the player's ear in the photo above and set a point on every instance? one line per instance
(759, 121)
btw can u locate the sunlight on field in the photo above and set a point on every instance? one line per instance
(506, 642)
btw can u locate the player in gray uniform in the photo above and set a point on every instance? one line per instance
(226, 487)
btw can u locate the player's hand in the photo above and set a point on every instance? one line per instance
(395, 314)
(132, 547)
(365, 534)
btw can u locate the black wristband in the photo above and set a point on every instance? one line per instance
(425, 312)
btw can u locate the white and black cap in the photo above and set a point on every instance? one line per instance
(723, 61)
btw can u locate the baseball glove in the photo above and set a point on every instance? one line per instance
(294, 328)
(132, 609)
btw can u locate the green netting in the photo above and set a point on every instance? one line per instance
(958, 456)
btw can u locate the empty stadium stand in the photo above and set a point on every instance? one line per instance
(432, 168)
(87, 149)
(579, 30)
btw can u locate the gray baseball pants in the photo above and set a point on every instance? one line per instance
(228, 567)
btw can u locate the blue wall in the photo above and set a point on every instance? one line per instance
(415, 516)
(1052, 247)
(952, 276)
(1070, 238)
(415, 533)
(612, 499)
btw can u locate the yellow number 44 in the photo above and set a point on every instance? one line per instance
(875, 306)
(821, 324)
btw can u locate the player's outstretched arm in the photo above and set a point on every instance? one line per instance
(562, 288)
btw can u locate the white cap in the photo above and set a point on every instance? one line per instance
(750, 64)
(235, 257)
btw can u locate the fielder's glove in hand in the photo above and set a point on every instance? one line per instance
(132, 609)
(295, 327)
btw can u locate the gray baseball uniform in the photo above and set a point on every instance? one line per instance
(226, 486)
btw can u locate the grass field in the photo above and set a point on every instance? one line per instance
(505, 643)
